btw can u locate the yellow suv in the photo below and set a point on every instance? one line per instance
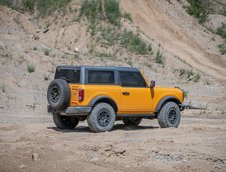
(103, 95)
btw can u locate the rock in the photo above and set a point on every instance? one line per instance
(215, 21)
(119, 152)
(76, 49)
(2, 45)
(35, 156)
(45, 30)
(95, 159)
(22, 166)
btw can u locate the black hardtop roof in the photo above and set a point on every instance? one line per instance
(99, 67)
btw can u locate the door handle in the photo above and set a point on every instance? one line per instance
(125, 93)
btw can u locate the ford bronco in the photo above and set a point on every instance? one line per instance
(103, 95)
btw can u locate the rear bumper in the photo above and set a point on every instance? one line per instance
(72, 111)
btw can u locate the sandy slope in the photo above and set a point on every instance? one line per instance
(156, 21)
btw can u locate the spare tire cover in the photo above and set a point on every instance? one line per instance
(58, 94)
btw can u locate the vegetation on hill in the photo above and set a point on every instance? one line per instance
(44, 7)
(105, 25)
(201, 9)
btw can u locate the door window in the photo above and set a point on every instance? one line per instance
(132, 79)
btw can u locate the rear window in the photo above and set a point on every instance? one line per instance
(100, 77)
(70, 75)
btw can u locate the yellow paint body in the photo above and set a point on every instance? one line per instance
(139, 100)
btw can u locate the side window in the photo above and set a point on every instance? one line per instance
(132, 79)
(100, 77)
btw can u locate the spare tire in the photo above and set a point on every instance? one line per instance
(58, 94)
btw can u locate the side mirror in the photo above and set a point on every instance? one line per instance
(152, 84)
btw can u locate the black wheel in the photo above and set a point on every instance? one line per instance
(65, 122)
(102, 118)
(169, 115)
(58, 94)
(132, 121)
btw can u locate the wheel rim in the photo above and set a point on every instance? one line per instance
(172, 116)
(55, 94)
(103, 118)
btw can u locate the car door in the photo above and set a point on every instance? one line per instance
(135, 94)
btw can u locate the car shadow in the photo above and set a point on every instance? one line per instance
(116, 127)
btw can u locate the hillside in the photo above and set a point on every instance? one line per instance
(172, 48)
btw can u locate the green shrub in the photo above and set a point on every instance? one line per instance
(127, 16)
(45, 77)
(46, 7)
(103, 54)
(222, 31)
(46, 52)
(108, 35)
(196, 77)
(30, 67)
(112, 11)
(199, 9)
(224, 11)
(185, 94)
(222, 48)
(76, 56)
(159, 58)
(28, 5)
(134, 43)
(6, 2)
(89, 9)
(189, 75)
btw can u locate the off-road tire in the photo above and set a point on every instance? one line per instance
(62, 101)
(169, 115)
(65, 122)
(134, 122)
(96, 123)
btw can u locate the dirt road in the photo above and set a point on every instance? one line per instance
(31, 142)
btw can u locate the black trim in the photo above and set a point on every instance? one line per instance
(149, 116)
(72, 110)
(165, 99)
(98, 98)
(84, 71)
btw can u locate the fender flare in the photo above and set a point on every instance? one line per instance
(104, 99)
(164, 100)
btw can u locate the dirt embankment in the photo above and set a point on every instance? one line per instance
(169, 25)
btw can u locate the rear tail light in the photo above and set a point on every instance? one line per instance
(81, 94)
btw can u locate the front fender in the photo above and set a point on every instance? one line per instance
(164, 100)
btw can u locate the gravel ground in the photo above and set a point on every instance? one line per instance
(31, 142)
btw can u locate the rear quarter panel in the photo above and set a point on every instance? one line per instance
(92, 91)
